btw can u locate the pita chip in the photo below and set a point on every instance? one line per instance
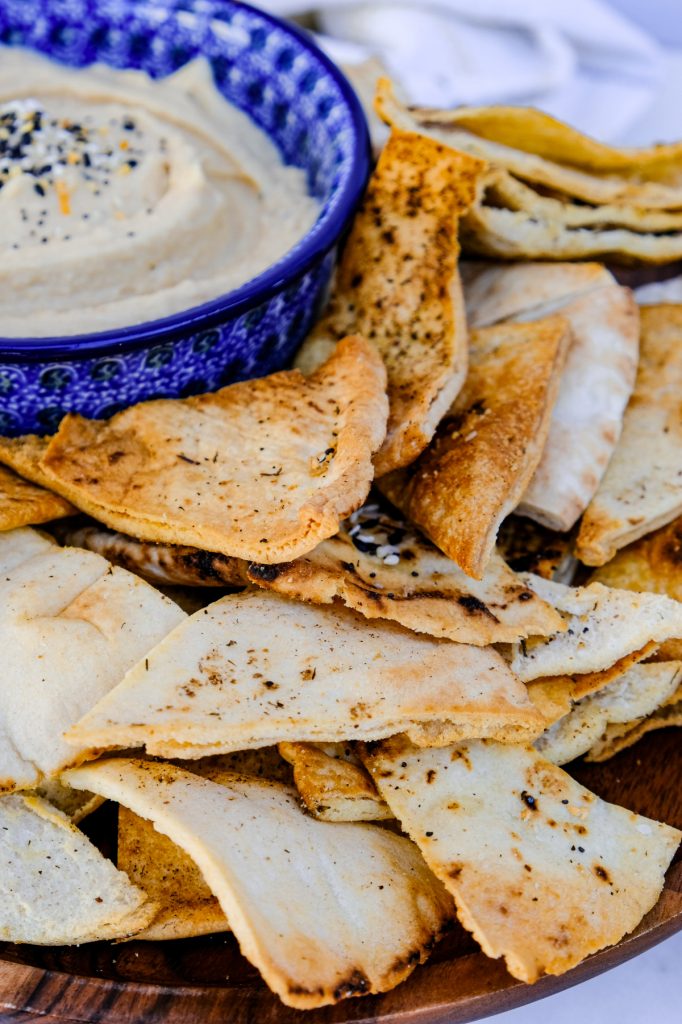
(161, 564)
(323, 911)
(488, 446)
(24, 504)
(619, 737)
(634, 695)
(254, 669)
(494, 292)
(75, 804)
(398, 285)
(542, 871)
(65, 892)
(657, 293)
(380, 566)
(90, 623)
(642, 488)
(529, 547)
(651, 563)
(332, 784)
(603, 625)
(262, 469)
(570, 181)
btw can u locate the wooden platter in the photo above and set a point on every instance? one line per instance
(201, 981)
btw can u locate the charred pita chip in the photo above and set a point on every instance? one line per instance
(603, 626)
(24, 504)
(398, 285)
(56, 888)
(162, 564)
(637, 693)
(262, 469)
(323, 911)
(529, 547)
(487, 448)
(543, 872)
(379, 565)
(254, 669)
(89, 622)
(642, 488)
(331, 785)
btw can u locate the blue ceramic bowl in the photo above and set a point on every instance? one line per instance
(291, 90)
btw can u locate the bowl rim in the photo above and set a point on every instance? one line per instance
(312, 248)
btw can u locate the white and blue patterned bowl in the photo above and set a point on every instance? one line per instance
(288, 87)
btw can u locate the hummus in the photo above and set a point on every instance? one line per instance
(124, 199)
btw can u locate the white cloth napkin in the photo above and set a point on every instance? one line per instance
(578, 59)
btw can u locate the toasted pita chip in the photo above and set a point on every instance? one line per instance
(398, 285)
(494, 292)
(489, 445)
(444, 126)
(642, 487)
(56, 888)
(543, 872)
(70, 627)
(545, 692)
(331, 787)
(619, 737)
(604, 625)
(651, 563)
(254, 669)
(379, 565)
(169, 876)
(637, 693)
(24, 504)
(165, 564)
(75, 804)
(263, 469)
(529, 547)
(323, 911)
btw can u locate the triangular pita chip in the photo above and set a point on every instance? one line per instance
(494, 292)
(70, 627)
(324, 911)
(444, 125)
(619, 737)
(254, 669)
(161, 564)
(642, 487)
(24, 504)
(262, 469)
(379, 565)
(331, 785)
(651, 563)
(487, 448)
(604, 625)
(543, 872)
(56, 888)
(636, 694)
(398, 285)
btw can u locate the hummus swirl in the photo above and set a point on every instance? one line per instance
(124, 199)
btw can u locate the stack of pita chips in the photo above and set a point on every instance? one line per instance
(353, 737)
(549, 192)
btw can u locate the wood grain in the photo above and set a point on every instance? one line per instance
(202, 981)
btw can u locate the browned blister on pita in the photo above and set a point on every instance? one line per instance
(25, 504)
(262, 469)
(56, 888)
(324, 911)
(642, 488)
(543, 872)
(398, 285)
(379, 565)
(488, 446)
(332, 784)
(254, 669)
